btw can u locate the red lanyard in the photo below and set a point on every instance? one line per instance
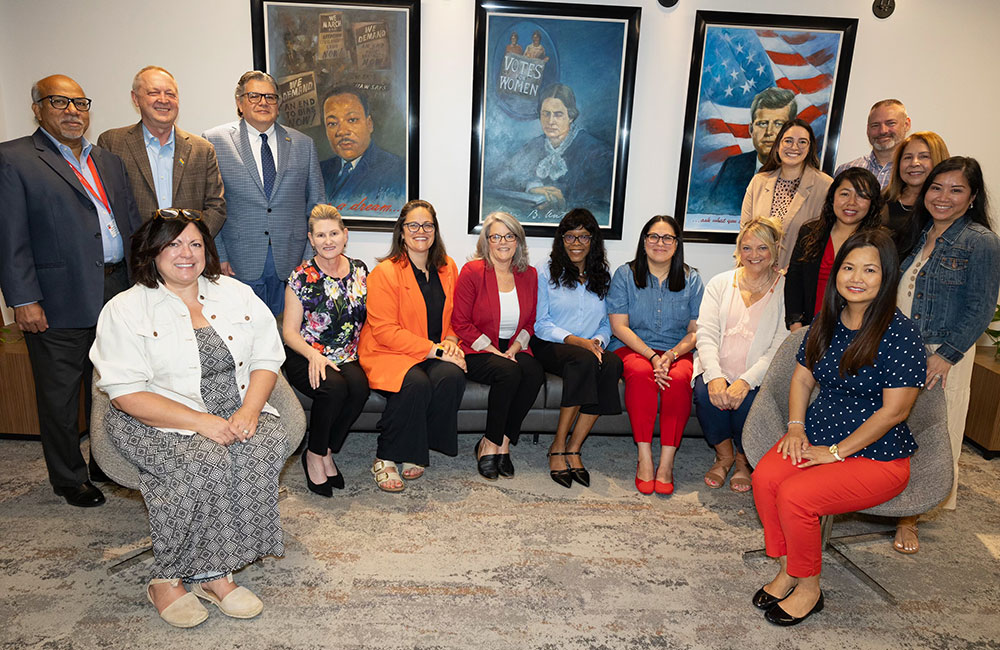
(97, 179)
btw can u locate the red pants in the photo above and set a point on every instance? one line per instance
(790, 501)
(642, 394)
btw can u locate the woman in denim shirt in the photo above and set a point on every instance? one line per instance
(949, 288)
(653, 306)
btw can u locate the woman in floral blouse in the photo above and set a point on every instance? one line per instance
(324, 312)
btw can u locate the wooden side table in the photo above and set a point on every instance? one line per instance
(18, 411)
(982, 425)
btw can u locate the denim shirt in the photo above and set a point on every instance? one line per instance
(658, 316)
(563, 311)
(956, 292)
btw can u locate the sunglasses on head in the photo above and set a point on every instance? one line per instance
(177, 213)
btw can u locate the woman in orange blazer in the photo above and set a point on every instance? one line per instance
(495, 318)
(409, 350)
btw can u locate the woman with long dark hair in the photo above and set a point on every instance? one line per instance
(852, 203)
(789, 186)
(949, 288)
(850, 449)
(409, 350)
(571, 334)
(652, 306)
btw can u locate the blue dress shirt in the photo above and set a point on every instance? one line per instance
(657, 315)
(563, 311)
(114, 249)
(161, 163)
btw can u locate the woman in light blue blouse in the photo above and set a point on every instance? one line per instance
(571, 334)
(653, 306)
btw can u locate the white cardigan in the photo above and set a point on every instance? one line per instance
(145, 341)
(769, 335)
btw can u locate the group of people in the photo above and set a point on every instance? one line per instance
(189, 355)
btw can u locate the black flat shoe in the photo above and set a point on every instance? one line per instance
(487, 465)
(560, 476)
(778, 616)
(84, 495)
(579, 474)
(505, 466)
(324, 489)
(764, 600)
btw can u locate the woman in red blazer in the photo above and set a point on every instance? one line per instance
(409, 350)
(495, 318)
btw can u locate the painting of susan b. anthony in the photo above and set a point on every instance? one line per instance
(550, 99)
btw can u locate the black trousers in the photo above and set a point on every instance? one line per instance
(588, 383)
(513, 390)
(423, 415)
(337, 401)
(60, 365)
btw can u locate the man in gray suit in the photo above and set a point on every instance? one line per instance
(167, 167)
(272, 181)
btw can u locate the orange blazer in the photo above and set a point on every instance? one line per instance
(394, 338)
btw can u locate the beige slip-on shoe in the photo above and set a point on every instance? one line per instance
(238, 603)
(186, 611)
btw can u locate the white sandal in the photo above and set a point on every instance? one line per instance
(385, 471)
(409, 467)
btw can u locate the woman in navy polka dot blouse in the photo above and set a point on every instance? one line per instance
(851, 449)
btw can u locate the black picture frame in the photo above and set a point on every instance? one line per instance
(583, 47)
(312, 47)
(717, 125)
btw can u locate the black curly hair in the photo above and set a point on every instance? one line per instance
(563, 272)
(818, 232)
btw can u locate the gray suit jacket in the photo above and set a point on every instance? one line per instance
(197, 184)
(253, 219)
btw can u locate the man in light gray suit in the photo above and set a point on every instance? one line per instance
(272, 182)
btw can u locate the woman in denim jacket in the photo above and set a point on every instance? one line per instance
(949, 288)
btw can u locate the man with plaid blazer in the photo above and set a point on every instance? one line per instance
(167, 167)
(272, 180)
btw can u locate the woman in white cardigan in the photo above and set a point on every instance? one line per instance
(789, 186)
(740, 326)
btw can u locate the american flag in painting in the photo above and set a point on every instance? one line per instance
(740, 62)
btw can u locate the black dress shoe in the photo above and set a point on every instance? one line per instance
(764, 600)
(778, 616)
(488, 464)
(560, 476)
(579, 474)
(96, 473)
(336, 481)
(324, 489)
(505, 467)
(84, 495)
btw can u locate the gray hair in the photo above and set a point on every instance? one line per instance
(887, 102)
(520, 261)
(774, 98)
(253, 75)
(36, 94)
(137, 79)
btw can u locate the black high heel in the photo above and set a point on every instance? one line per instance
(579, 474)
(560, 476)
(336, 481)
(323, 489)
(487, 464)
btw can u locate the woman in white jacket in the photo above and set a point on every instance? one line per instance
(741, 323)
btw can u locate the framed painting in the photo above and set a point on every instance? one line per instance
(348, 76)
(551, 111)
(751, 73)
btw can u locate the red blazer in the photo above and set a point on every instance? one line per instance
(477, 306)
(394, 338)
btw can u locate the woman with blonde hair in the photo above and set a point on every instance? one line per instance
(495, 318)
(915, 157)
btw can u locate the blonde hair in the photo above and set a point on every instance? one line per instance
(939, 152)
(767, 230)
(520, 261)
(325, 212)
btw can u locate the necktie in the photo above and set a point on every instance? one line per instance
(266, 165)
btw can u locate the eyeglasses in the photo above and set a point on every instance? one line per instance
(655, 238)
(168, 214)
(583, 239)
(496, 239)
(415, 227)
(62, 102)
(254, 98)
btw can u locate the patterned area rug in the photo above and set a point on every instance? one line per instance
(459, 562)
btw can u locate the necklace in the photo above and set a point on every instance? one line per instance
(745, 283)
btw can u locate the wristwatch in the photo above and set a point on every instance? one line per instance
(439, 352)
(833, 450)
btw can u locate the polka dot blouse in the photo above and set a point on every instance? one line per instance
(844, 403)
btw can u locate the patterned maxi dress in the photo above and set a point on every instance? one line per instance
(212, 508)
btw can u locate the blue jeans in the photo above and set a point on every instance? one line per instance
(269, 287)
(718, 425)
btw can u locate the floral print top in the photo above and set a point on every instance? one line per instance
(333, 310)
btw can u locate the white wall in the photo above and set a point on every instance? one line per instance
(930, 54)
